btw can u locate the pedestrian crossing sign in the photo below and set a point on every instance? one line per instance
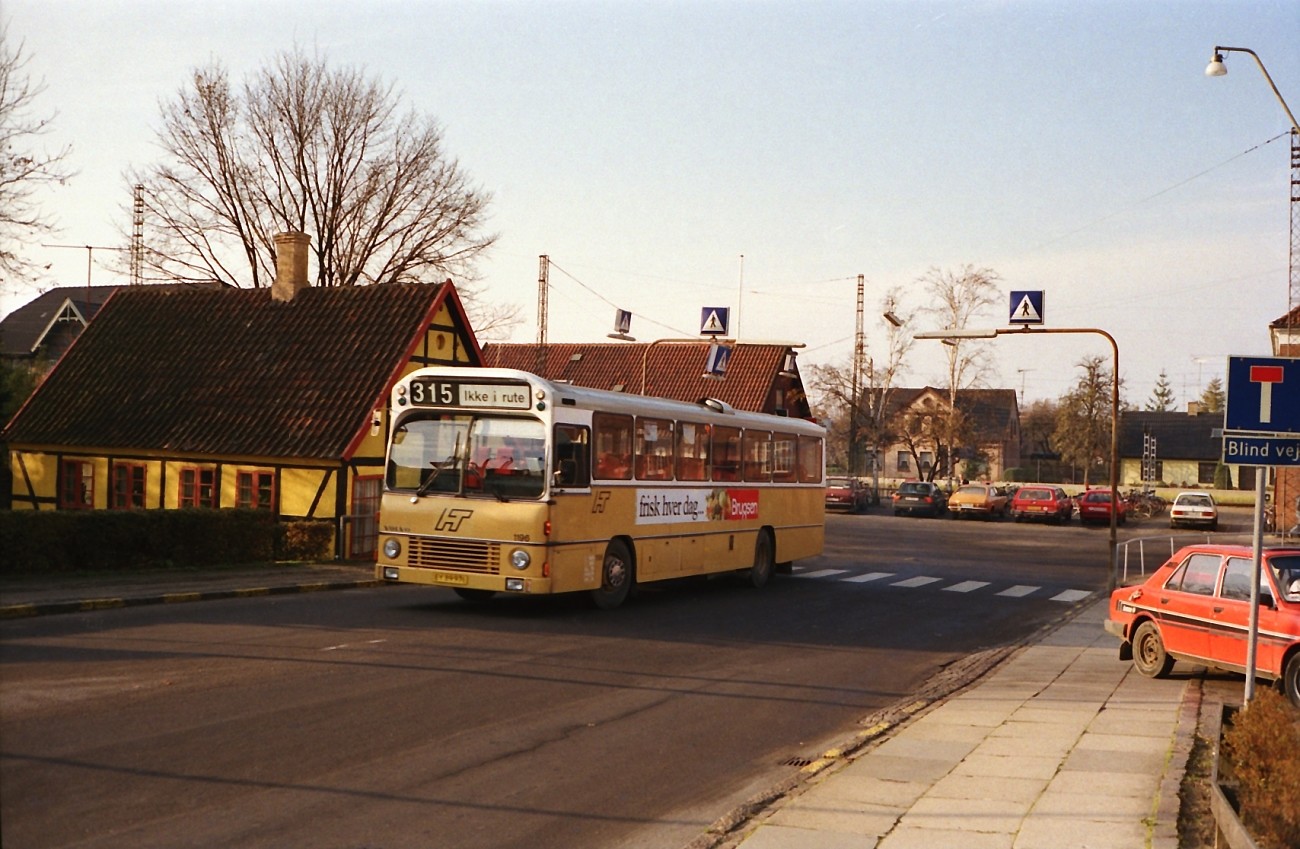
(1027, 307)
(713, 321)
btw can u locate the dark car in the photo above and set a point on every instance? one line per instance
(920, 497)
(1048, 503)
(844, 493)
(1094, 508)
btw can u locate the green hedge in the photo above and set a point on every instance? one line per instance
(109, 540)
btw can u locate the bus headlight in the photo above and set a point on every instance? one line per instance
(520, 559)
(392, 548)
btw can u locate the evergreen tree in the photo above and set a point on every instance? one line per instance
(1213, 398)
(1162, 397)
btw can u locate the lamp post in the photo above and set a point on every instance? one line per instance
(1216, 68)
(952, 334)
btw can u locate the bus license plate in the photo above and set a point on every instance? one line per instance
(439, 578)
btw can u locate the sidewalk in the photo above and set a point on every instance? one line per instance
(38, 596)
(1063, 746)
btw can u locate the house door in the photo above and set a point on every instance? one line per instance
(365, 516)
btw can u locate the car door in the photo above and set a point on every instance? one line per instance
(1231, 615)
(1184, 605)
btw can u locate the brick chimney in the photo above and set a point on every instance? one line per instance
(290, 265)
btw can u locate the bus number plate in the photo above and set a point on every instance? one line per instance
(440, 578)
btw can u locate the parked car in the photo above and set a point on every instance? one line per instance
(846, 494)
(1194, 509)
(920, 497)
(1049, 503)
(978, 499)
(1196, 608)
(1094, 508)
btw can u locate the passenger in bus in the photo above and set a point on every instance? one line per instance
(613, 466)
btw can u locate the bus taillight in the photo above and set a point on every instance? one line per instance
(546, 528)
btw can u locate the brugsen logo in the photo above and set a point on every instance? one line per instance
(450, 519)
(742, 504)
(599, 501)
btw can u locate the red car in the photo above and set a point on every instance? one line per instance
(1042, 502)
(1196, 607)
(1094, 508)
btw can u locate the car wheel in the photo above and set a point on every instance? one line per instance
(616, 577)
(1291, 679)
(1149, 655)
(764, 560)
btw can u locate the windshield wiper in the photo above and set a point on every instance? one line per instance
(438, 469)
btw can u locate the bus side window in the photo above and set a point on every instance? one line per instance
(572, 456)
(692, 451)
(613, 435)
(726, 453)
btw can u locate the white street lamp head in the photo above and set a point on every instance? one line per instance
(1216, 68)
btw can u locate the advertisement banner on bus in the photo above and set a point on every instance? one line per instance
(665, 506)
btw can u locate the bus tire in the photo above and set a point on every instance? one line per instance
(617, 574)
(764, 560)
(476, 596)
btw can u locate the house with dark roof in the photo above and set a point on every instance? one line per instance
(37, 333)
(267, 399)
(1179, 448)
(992, 441)
(761, 377)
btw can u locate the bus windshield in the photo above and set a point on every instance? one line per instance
(496, 456)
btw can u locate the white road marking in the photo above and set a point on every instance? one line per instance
(821, 573)
(870, 576)
(1071, 595)
(918, 581)
(966, 586)
(1019, 591)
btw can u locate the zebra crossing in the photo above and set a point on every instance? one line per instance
(1065, 596)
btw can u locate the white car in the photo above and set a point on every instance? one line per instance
(1194, 509)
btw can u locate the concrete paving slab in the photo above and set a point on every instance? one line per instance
(907, 837)
(899, 769)
(1008, 766)
(967, 815)
(956, 786)
(770, 836)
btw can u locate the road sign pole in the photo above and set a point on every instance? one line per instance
(1256, 557)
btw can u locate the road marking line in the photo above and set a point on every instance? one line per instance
(870, 576)
(918, 581)
(1071, 595)
(965, 586)
(820, 573)
(1019, 591)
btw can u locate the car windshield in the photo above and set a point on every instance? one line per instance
(1034, 495)
(1186, 500)
(838, 483)
(972, 490)
(914, 489)
(1099, 496)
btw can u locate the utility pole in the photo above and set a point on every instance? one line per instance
(855, 392)
(543, 285)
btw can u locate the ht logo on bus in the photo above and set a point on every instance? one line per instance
(451, 518)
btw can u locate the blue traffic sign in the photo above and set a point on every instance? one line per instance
(713, 321)
(1261, 450)
(1263, 395)
(1026, 307)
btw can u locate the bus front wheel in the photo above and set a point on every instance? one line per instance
(764, 560)
(616, 577)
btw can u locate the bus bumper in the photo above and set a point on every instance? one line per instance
(524, 584)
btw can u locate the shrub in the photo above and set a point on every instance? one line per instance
(305, 540)
(1264, 746)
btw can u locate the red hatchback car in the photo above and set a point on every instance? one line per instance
(1094, 508)
(1042, 502)
(1196, 607)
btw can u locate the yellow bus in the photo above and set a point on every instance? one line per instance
(498, 481)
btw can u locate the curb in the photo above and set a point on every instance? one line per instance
(19, 611)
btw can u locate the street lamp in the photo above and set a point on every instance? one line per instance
(1216, 68)
(952, 334)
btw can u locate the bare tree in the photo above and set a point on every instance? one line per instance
(957, 298)
(303, 147)
(1083, 419)
(24, 170)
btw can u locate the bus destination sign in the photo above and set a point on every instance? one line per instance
(428, 392)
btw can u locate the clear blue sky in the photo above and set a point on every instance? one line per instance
(646, 145)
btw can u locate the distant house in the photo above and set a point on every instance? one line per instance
(993, 422)
(759, 377)
(1181, 449)
(273, 400)
(36, 334)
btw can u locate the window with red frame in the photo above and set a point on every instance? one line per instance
(78, 490)
(255, 490)
(198, 487)
(128, 486)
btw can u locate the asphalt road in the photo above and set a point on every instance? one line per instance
(403, 717)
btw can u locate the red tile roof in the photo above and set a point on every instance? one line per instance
(671, 370)
(232, 372)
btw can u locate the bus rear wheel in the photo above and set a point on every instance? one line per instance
(764, 560)
(616, 577)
